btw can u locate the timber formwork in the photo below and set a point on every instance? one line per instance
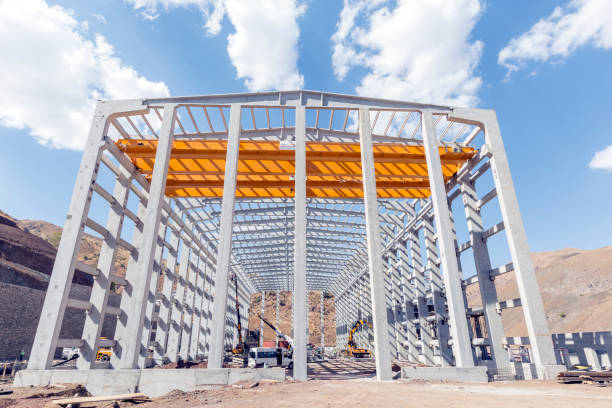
(294, 191)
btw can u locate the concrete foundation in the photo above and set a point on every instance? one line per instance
(151, 382)
(460, 374)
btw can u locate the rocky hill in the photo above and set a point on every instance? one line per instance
(576, 284)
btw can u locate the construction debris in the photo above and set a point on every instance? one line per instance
(136, 397)
(585, 377)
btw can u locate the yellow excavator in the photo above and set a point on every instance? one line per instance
(352, 350)
(241, 348)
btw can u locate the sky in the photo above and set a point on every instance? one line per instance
(544, 66)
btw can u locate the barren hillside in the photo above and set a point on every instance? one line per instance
(576, 284)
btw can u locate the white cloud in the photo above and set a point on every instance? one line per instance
(416, 50)
(580, 23)
(602, 159)
(52, 75)
(212, 10)
(100, 18)
(263, 47)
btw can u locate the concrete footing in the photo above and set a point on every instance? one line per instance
(151, 382)
(460, 374)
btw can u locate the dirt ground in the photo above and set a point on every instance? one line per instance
(358, 392)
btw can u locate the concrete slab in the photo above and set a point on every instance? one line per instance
(459, 374)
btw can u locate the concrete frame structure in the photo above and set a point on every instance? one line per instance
(393, 261)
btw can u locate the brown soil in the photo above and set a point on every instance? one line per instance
(363, 393)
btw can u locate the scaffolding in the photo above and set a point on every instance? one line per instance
(294, 191)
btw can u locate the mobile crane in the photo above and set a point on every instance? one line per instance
(352, 350)
(278, 332)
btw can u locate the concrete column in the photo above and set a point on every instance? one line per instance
(375, 264)
(176, 317)
(204, 311)
(323, 320)
(133, 302)
(143, 358)
(300, 300)
(462, 349)
(165, 305)
(100, 290)
(400, 333)
(188, 313)
(437, 293)
(194, 347)
(215, 358)
(407, 304)
(277, 315)
(60, 280)
(420, 293)
(261, 322)
(208, 300)
(488, 292)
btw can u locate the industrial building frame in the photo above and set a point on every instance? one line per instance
(391, 258)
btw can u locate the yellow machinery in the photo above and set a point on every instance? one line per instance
(241, 348)
(352, 350)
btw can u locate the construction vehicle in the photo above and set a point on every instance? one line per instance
(288, 339)
(241, 348)
(352, 350)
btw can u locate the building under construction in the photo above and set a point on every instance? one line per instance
(390, 206)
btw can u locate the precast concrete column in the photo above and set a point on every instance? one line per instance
(462, 349)
(60, 281)
(375, 264)
(143, 358)
(368, 300)
(203, 312)
(400, 332)
(407, 304)
(128, 333)
(215, 358)
(389, 306)
(165, 304)
(420, 293)
(188, 309)
(300, 321)
(262, 314)
(176, 315)
(323, 320)
(437, 293)
(206, 305)
(194, 347)
(488, 292)
(277, 315)
(100, 290)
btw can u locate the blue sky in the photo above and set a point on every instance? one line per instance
(543, 66)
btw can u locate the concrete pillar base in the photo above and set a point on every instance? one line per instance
(151, 382)
(476, 374)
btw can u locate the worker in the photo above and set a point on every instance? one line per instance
(21, 355)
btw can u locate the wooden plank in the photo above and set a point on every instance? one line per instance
(117, 397)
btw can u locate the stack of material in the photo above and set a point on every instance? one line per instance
(585, 377)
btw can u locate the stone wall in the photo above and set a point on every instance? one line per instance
(20, 309)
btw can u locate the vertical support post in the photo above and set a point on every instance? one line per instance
(420, 294)
(165, 304)
(462, 349)
(263, 314)
(143, 357)
(488, 292)
(300, 320)
(375, 264)
(408, 295)
(433, 262)
(194, 349)
(277, 313)
(323, 320)
(133, 301)
(215, 358)
(188, 312)
(176, 317)
(60, 280)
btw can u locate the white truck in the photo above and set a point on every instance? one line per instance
(270, 357)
